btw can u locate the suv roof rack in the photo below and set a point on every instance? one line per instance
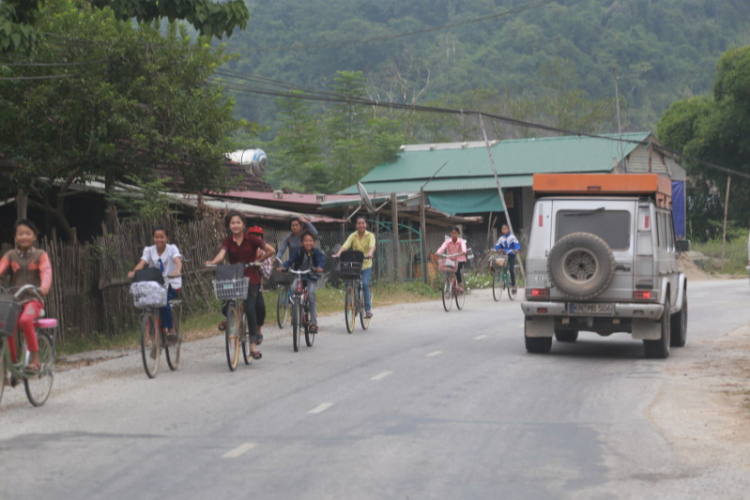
(652, 185)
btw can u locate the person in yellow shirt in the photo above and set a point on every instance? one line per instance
(363, 241)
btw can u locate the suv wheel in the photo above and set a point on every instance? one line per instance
(581, 265)
(566, 335)
(660, 348)
(679, 324)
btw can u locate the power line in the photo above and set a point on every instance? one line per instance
(47, 77)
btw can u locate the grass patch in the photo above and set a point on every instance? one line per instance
(733, 261)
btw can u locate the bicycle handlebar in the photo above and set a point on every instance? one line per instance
(246, 264)
(306, 271)
(447, 256)
(31, 287)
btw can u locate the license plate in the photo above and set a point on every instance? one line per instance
(576, 308)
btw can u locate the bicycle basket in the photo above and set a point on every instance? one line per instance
(231, 289)
(447, 265)
(500, 261)
(351, 271)
(283, 278)
(148, 294)
(9, 310)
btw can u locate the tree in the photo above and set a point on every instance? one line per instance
(128, 99)
(17, 31)
(715, 129)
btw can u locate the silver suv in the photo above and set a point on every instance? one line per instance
(602, 257)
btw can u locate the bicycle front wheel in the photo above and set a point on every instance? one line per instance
(232, 336)
(363, 319)
(309, 336)
(506, 284)
(282, 306)
(39, 386)
(447, 298)
(296, 322)
(460, 297)
(497, 291)
(350, 307)
(150, 344)
(172, 350)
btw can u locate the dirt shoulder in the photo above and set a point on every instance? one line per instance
(704, 409)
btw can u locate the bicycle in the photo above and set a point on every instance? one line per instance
(451, 290)
(284, 299)
(354, 301)
(501, 278)
(149, 296)
(37, 385)
(300, 311)
(233, 293)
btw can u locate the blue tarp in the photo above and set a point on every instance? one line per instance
(678, 209)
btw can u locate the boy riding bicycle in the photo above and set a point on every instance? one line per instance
(308, 257)
(510, 246)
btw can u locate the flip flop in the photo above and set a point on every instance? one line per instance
(256, 354)
(32, 369)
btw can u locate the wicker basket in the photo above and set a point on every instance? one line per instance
(231, 289)
(9, 311)
(148, 294)
(499, 261)
(283, 278)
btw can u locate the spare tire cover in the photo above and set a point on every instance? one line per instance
(581, 265)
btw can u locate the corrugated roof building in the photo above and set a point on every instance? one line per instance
(458, 177)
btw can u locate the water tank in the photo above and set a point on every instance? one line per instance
(253, 160)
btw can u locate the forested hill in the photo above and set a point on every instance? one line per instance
(663, 49)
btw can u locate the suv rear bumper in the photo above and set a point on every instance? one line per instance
(621, 310)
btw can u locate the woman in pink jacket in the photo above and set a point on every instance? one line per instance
(456, 247)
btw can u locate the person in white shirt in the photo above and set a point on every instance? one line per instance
(167, 258)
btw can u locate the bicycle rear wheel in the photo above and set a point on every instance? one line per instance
(39, 386)
(447, 298)
(282, 306)
(460, 297)
(173, 350)
(232, 336)
(497, 291)
(3, 368)
(296, 322)
(350, 307)
(150, 344)
(506, 284)
(309, 336)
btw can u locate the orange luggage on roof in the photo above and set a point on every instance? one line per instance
(653, 185)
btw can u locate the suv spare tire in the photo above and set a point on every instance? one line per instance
(581, 265)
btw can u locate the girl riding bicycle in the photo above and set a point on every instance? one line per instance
(452, 246)
(509, 245)
(265, 271)
(28, 266)
(308, 257)
(242, 247)
(363, 241)
(167, 258)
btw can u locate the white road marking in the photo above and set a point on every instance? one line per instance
(481, 337)
(320, 408)
(240, 450)
(435, 353)
(381, 376)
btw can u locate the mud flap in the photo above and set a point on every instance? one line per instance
(645, 329)
(537, 326)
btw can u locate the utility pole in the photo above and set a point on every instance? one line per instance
(617, 100)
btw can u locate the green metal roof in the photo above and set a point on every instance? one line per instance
(516, 161)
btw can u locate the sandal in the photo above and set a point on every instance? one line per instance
(256, 354)
(32, 368)
(222, 326)
(313, 328)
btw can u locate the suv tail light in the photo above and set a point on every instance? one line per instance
(644, 294)
(539, 293)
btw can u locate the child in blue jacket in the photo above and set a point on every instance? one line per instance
(509, 245)
(308, 257)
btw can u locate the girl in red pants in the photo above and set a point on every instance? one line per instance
(28, 266)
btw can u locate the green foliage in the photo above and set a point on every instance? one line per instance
(715, 129)
(725, 259)
(147, 202)
(133, 97)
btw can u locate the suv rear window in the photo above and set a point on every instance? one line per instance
(613, 226)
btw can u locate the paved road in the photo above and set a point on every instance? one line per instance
(423, 405)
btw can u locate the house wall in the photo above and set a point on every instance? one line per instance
(648, 160)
